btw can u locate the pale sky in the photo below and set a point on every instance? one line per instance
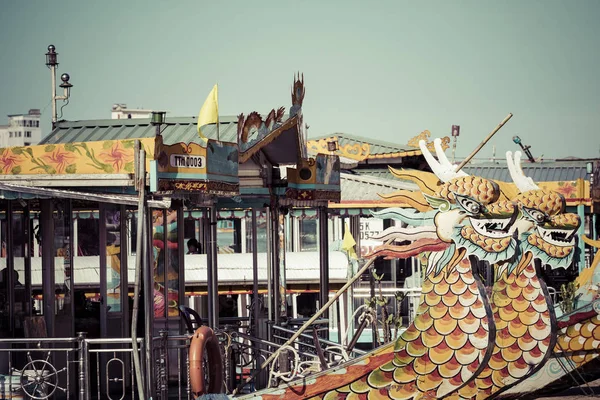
(384, 70)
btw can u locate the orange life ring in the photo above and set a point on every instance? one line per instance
(205, 340)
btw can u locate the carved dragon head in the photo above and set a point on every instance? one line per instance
(544, 228)
(467, 214)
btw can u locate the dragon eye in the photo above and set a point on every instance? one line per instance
(469, 205)
(536, 216)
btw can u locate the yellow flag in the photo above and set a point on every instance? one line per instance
(348, 243)
(209, 113)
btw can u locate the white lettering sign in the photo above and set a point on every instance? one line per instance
(184, 161)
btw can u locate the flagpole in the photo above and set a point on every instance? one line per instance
(218, 136)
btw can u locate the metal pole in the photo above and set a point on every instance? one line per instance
(10, 267)
(212, 273)
(28, 253)
(323, 258)
(274, 226)
(480, 146)
(269, 264)
(141, 215)
(255, 303)
(54, 115)
(48, 290)
(149, 262)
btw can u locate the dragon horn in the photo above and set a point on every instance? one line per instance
(522, 182)
(441, 155)
(444, 172)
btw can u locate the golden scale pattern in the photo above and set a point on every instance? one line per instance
(550, 249)
(547, 201)
(440, 351)
(579, 342)
(521, 310)
(480, 189)
(491, 245)
(448, 340)
(523, 333)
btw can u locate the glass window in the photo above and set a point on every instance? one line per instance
(166, 263)
(63, 236)
(261, 234)
(225, 235)
(308, 235)
(113, 257)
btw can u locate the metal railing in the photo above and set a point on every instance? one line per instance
(65, 368)
(85, 369)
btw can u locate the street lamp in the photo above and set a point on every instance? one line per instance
(517, 140)
(52, 63)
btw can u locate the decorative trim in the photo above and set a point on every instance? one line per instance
(425, 135)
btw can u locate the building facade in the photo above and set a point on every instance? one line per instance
(22, 129)
(120, 111)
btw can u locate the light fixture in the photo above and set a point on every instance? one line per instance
(525, 148)
(66, 85)
(158, 117)
(52, 63)
(51, 56)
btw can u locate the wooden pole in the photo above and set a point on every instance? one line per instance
(492, 133)
(312, 319)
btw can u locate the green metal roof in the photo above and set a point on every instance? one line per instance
(376, 146)
(546, 171)
(174, 130)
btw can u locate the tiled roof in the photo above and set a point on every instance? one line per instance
(368, 188)
(376, 146)
(174, 130)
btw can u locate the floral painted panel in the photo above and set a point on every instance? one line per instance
(102, 157)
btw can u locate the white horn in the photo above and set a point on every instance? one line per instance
(444, 172)
(441, 155)
(523, 183)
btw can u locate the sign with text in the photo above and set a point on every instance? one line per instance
(369, 227)
(187, 161)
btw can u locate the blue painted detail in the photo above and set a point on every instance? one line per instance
(263, 191)
(313, 186)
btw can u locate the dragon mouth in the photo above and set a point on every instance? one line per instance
(494, 228)
(557, 237)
